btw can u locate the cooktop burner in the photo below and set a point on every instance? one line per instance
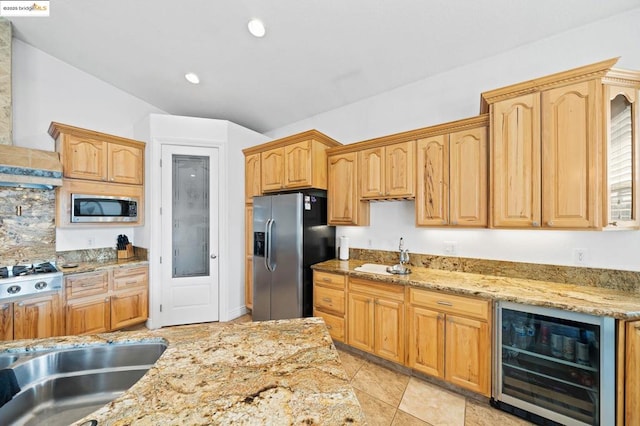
(24, 280)
(22, 270)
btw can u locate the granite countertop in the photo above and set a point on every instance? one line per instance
(590, 300)
(95, 265)
(272, 372)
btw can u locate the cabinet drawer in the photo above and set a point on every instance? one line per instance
(376, 289)
(335, 324)
(329, 280)
(88, 284)
(443, 302)
(130, 277)
(328, 299)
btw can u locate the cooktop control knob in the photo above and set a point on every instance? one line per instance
(40, 285)
(14, 289)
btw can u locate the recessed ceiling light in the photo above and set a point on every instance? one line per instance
(256, 27)
(192, 78)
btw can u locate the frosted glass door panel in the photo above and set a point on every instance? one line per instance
(190, 204)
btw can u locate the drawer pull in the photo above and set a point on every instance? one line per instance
(444, 303)
(326, 279)
(88, 285)
(326, 299)
(329, 327)
(131, 282)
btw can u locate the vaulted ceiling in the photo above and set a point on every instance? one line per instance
(316, 55)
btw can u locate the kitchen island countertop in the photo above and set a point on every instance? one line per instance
(273, 372)
(571, 297)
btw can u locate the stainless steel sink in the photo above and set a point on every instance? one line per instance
(7, 359)
(62, 386)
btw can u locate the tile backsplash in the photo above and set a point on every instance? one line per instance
(27, 225)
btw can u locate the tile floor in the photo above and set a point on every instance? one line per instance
(391, 398)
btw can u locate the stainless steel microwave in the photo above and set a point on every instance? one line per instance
(103, 208)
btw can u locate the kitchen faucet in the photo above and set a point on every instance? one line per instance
(404, 253)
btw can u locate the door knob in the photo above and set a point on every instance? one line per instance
(213, 256)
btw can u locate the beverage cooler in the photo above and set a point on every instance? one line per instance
(554, 366)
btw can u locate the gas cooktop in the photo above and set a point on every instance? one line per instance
(25, 280)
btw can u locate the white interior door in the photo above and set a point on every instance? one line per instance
(190, 270)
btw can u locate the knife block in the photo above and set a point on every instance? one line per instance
(126, 254)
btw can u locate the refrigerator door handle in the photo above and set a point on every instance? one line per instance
(267, 245)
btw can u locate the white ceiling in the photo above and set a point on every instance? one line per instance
(317, 54)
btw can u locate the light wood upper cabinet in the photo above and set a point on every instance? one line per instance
(298, 164)
(432, 193)
(570, 167)
(468, 177)
(556, 150)
(295, 162)
(125, 163)
(387, 171)
(452, 175)
(344, 205)
(622, 115)
(253, 177)
(372, 177)
(272, 165)
(90, 155)
(516, 168)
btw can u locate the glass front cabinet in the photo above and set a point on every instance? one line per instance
(621, 155)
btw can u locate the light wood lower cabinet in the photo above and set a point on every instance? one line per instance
(88, 316)
(106, 300)
(629, 380)
(375, 318)
(329, 302)
(129, 300)
(37, 317)
(450, 338)
(426, 340)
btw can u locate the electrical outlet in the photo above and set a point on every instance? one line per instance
(369, 243)
(91, 242)
(450, 247)
(579, 256)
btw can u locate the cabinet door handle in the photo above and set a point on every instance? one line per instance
(444, 303)
(106, 299)
(535, 223)
(550, 223)
(329, 327)
(326, 299)
(21, 304)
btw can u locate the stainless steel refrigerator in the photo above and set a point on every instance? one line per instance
(290, 233)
